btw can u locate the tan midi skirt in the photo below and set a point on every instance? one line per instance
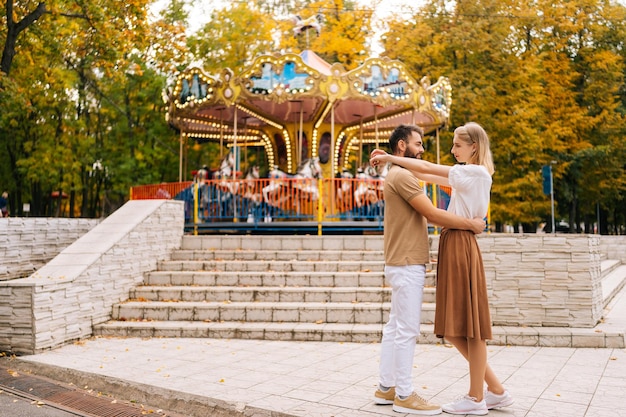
(462, 307)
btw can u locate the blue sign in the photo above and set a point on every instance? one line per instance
(546, 173)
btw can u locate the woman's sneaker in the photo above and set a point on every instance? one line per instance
(466, 405)
(498, 401)
(414, 404)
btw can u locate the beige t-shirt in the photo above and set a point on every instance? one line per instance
(406, 231)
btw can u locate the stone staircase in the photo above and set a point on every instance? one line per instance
(290, 288)
(613, 273)
(273, 288)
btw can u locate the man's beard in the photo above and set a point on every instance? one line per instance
(407, 154)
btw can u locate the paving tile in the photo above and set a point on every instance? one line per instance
(338, 379)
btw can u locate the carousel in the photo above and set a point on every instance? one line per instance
(313, 122)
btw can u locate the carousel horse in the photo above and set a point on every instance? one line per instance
(276, 177)
(218, 195)
(302, 25)
(227, 166)
(367, 190)
(252, 173)
(251, 184)
(225, 174)
(202, 174)
(310, 169)
(249, 203)
(301, 186)
(384, 171)
(344, 190)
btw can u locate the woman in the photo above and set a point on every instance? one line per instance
(462, 309)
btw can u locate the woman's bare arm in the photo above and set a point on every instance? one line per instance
(432, 179)
(424, 170)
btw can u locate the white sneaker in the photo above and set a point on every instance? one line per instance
(466, 405)
(497, 401)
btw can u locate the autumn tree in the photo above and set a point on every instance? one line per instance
(525, 73)
(68, 60)
(232, 38)
(344, 37)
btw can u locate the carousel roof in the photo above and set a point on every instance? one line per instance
(278, 91)
(314, 61)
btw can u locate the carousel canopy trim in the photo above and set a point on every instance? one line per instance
(292, 93)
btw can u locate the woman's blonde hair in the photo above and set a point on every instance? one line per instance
(474, 133)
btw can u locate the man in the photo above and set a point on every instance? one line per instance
(407, 213)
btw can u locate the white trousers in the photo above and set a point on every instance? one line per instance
(401, 331)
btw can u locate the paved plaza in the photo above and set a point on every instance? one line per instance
(324, 379)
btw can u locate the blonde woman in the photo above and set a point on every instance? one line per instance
(462, 309)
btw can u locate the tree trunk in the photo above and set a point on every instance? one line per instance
(13, 31)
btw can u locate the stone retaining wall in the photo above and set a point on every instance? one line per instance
(75, 290)
(539, 280)
(533, 280)
(542, 279)
(613, 247)
(28, 243)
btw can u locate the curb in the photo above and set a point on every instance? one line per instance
(189, 405)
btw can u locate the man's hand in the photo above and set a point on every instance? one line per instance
(377, 156)
(478, 225)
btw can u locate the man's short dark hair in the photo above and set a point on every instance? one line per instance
(402, 132)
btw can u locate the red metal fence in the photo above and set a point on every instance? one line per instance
(279, 200)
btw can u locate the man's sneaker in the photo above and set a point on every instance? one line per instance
(498, 401)
(466, 405)
(414, 404)
(384, 397)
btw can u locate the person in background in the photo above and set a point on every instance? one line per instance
(462, 314)
(407, 251)
(4, 205)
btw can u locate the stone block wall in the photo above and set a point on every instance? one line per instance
(28, 243)
(539, 280)
(77, 289)
(542, 279)
(613, 247)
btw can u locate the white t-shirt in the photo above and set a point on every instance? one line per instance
(471, 185)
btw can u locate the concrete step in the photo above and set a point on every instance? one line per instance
(277, 255)
(283, 242)
(328, 332)
(342, 332)
(268, 294)
(267, 265)
(613, 282)
(609, 265)
(298, 288)
(272, 279)
(312, 312)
